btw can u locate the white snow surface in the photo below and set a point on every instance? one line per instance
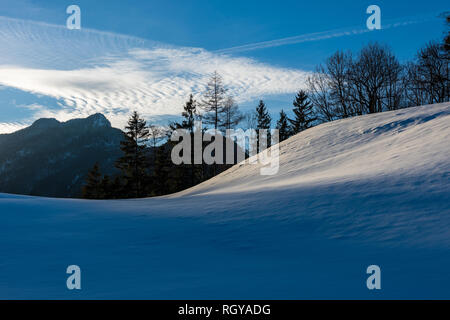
(351, 193)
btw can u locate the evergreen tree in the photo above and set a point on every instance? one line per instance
(133, 163)
(161, 173)
(303, 112)
(189, 114)
(93, 189)
(177, 177)
(116, 188)
(263, 121)
(284, 130)
(106, 188)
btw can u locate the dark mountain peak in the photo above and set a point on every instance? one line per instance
(44, 123)
(52, 158)
(98, 120)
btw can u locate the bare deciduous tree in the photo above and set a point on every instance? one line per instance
(339, 67)
(213, 101)
(319, 89)
(345, 87)
(251, 120)
(428, 76)
(370, 76)
(231, 114)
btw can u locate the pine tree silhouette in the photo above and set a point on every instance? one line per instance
(303, 112)
(263, 121)
(161, 172)
(93, 188)
(189, 114)
(284, 131)
(133, 163)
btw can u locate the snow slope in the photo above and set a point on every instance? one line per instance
(351, 193)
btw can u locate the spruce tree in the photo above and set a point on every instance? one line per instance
(133, 163)
(303, 112)
(189, 114)
(106, 188)
(263, 121)
(284, 130)
(116, 188)
(161, 172)
(93, 189)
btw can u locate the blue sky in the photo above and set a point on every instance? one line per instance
(218, 24)
(210, 25)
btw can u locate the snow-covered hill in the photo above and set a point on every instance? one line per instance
(349, 194)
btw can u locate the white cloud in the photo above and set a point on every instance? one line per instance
(89, 71)
(8, 127)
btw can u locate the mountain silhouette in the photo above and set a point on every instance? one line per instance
(52, 158)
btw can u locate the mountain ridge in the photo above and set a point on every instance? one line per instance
(52, 158)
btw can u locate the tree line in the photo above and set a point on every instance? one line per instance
(146, 168)
(372, 81)
(345, 85)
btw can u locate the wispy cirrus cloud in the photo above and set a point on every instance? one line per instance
(87, 71)
(7, 127)
(329, 34)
